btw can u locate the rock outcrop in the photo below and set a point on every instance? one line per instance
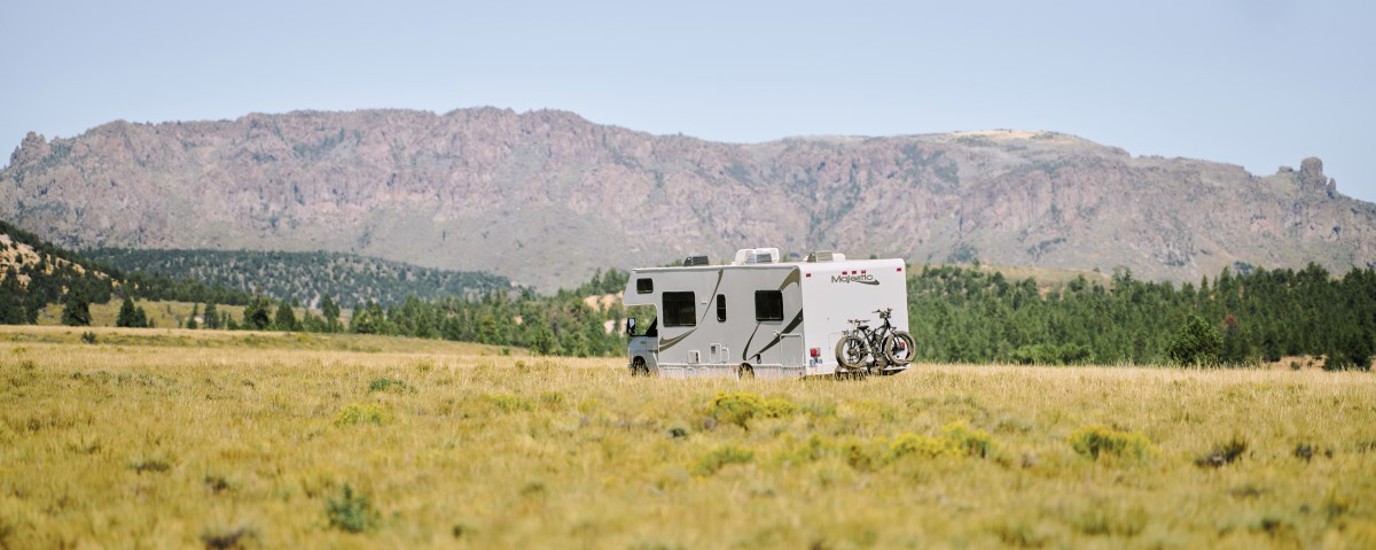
(546, 197)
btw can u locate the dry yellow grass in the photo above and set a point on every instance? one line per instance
(167, 438)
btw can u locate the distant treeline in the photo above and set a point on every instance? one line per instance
(305, 277)
(957, 314)
(969, 316)
(569, 323)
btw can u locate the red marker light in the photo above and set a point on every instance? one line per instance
(815, 352)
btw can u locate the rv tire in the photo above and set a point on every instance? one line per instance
(638, 367)
(745, 371)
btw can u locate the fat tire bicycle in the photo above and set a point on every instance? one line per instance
(876, 349)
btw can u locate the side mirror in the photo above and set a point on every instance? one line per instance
(630, 326)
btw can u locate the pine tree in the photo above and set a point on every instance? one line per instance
(366, 319)
(285, 319)
(257, 314)
(126, 314)
(13, 310)
(211, 316)
(330, 310)
(77, 311)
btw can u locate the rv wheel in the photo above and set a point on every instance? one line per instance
(745, 371)
(638, 367)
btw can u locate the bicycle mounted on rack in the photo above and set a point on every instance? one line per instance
(882, 350)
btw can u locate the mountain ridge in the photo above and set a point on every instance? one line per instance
(545, 197)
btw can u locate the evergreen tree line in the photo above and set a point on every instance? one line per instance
(552, 325)
(965, 315)
(301, 277)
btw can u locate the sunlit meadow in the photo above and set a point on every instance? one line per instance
(174, 438)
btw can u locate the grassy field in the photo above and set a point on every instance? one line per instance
(171, 438)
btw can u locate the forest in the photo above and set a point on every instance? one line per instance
(967, 315)
(303, 277)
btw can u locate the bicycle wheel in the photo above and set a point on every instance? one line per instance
(851, 352)
(899, 348)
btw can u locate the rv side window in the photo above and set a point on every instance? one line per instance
(679, 309)
(644, 286)
(769, 305)
(721, 307)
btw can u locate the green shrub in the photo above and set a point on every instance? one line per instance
(811, 450)
(908, 444)
(957, 440)
(721, 457)
(389, 384)
(740, 407)
(1197, 343)
(1095, 441)
(968, 442)
(361, 413)
(506, 402)
(351, 512)
(863, 456)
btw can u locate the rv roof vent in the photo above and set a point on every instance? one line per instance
(757, 256)
(820, 256)
(700, 259)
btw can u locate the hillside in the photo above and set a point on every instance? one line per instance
(545, 197)
(33, 273)
(305, 277)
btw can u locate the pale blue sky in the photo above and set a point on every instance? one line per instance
(1260, 83)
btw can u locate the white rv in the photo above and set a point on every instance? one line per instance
(760, 317)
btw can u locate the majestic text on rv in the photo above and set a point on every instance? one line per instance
(760, 317)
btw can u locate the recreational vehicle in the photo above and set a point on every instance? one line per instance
(758, 316)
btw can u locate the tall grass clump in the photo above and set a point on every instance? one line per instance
(1094, 441)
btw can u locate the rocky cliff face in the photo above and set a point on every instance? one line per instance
(546, 197)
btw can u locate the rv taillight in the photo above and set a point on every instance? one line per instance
(815, 352)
